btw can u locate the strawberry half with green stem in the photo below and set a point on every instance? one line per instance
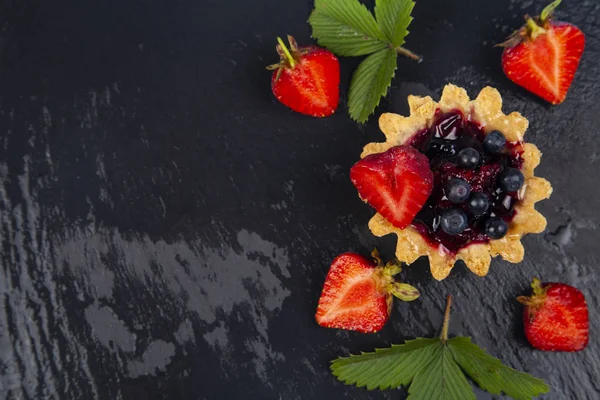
(543, 55)
(555, 317)
(357, 294)
(307, 79)
(397, 183)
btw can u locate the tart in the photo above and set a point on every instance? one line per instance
(481, 201)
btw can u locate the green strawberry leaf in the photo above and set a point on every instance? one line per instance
(441, 379)
(491, 375)
(346, 28)
(386, 368)
(436, 368)
(393, 17)
(370, 82)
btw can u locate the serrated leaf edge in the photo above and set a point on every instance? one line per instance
(407, 345)
(448, 346)
(391, 36)
(367, 26)
(493, 360)
(363, 118)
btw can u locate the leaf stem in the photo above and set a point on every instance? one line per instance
(287, 53)
(444, 334)
(405, 52)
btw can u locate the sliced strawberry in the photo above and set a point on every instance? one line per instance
(307, 79)
(397, 183)
(543, 56)
(357, 294)
(556, 317)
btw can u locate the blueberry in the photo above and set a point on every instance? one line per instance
(496, 228)
(457, 190)
(478, 203)
(494, 142)
(441, 148)
(454, 221)
(468, 158)
(467, 141)
(511, 180)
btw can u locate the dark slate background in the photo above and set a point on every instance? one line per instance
(166, 225)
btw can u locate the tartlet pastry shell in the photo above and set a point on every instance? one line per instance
(486, 109)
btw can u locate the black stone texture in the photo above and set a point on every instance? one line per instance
(166, 225)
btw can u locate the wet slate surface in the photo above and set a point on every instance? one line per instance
(166, 225)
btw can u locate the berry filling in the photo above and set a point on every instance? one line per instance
(476, 182)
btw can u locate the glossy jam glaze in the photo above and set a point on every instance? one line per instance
(441, 143)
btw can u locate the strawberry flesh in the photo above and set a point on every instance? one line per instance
(354, 296)
(546, 65)
(311, 86)
(557, 320)
(397, 183)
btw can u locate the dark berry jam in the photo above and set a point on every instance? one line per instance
(441, 143)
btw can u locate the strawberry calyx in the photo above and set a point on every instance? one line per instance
(535, 301)
(546, 14)
(387, 283)
(404, 291)
(288, 58)
(534, 27)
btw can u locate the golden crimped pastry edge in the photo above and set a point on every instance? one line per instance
(486, 109)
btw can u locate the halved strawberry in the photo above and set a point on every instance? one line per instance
(556, 317)
(357, 294)
(306, 79)
(397, 183)
(543, 56)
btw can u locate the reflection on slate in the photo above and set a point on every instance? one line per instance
(166, 225)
